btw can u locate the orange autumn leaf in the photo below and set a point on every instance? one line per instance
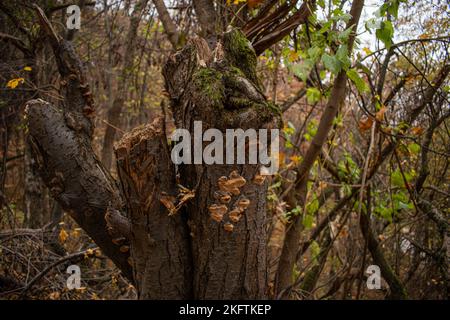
(254, 3)
(417, 131)
(235, 2)
(365, 124)
(281, 158)
(295, 159)
(293, 55)
(63, 235)
(380, 114)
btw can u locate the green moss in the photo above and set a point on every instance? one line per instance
(236, 71)
(222, 90)
(240, 53)
(274, 108)
(209, 83)
(240, 103)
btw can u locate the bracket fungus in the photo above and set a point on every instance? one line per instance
(222, 196)
(228, 227)
(235, 215)
(231, 184)
(217, 211)
(118, 241)
(243, 204)
(259, 179)
(124, 249)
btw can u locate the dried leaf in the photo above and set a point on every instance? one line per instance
(254, 3)
(13, 83)
(168, 202)
(365, 124)
(295, 159)
(63, 235)
(417, 130)
(380, 114)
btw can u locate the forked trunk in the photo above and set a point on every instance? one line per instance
(197, 233)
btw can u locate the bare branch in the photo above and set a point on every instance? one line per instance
(168, 24)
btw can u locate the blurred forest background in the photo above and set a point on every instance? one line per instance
(364, 182)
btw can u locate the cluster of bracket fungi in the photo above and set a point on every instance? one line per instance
(228, 187)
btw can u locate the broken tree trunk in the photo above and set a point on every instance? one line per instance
(219, 87)
(159, 241)
(201, 235)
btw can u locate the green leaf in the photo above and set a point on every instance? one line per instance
(372, 24)
(391, 7)
(414, 148)
(315, 250)
(303, 69)
(385, 33)
(308, 221)
(313, 95)
(296, 211)
(342, 56)
(384, 212)
(397, 178)
(401, 201)
(331, 63)
(313, 206)
(343, 36)
(357, 80)
(326, 26)
(275, 185)
(314, 53)
(311, 130)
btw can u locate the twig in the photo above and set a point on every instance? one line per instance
(70, 257)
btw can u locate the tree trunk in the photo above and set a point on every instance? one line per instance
(159, 229)
(159, 248)
(220, 89)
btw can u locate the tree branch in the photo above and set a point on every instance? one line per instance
(206, 15)
(74, 175)
(168, 24)
(61, 144)
(288, 255)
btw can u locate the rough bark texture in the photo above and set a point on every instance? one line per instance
(220, 89)
(177, 249)
(61, 143)
(159, 241)
(74, 175)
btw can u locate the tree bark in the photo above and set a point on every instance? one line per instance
(74, 175)
(202, 87)
(159, 242)
(178, 248)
